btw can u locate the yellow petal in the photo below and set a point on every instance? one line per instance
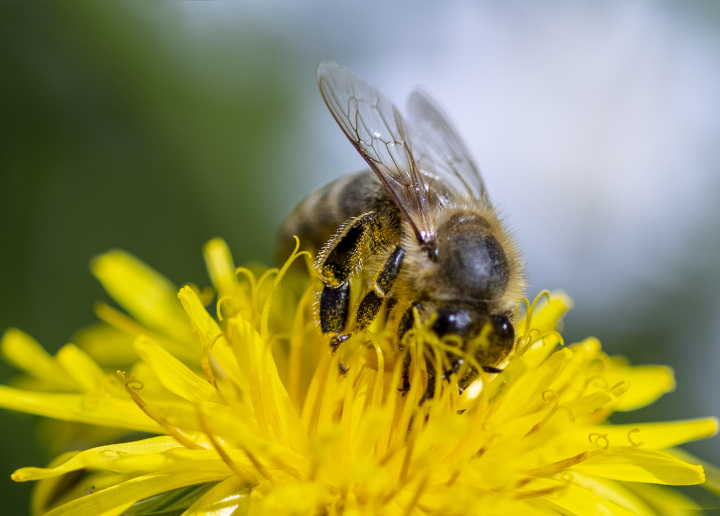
(44, 493)
(529, 392)
(574, 374)
(210, 332)
(273, 408)
(175, 375)
(106, 345)
(579, 501)
(591, 402)
(712, 473)
(83, 369)
(615, 492)
(144, 293)
(637, 465)
(117, 511)
(157, 455)
(22, 351)
(225, 498)
(664, 500)
(656, 436)
(647, 384)
(546, 320)
(83, 484)
(198, 315)
(96, 456)
(548, 315)
(132, 491)
(220, 266)
(104, 411)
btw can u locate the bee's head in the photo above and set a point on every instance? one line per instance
(489, 337)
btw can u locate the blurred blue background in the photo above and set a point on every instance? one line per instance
(155, 126)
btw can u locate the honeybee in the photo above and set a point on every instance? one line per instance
(418, 229)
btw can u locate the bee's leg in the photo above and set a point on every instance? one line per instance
(389, 273)
(390, 306)
(463, 382)
(406, 322)
(370, 305)
(454, 369)
(334, 307)
(430, 390)
(489, 369)
(406, 375)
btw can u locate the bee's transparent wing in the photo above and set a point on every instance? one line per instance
(440, 150)
(377, 130)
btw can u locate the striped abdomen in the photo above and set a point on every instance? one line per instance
(316, 219)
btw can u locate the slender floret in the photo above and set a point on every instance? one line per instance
(249, 412)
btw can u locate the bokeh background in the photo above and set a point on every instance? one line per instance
(155, 126)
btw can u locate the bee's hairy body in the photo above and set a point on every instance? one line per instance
(459, 277)
(319, 219)
(416, 234)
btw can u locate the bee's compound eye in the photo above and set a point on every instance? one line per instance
(452, 321)
(502, 328)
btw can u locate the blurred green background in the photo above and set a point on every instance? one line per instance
(155, 126)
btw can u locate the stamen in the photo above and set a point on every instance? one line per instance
(553, 396)
(218, 307)
(633, 443)
(526, 342)
(595, 439)
(602, 361)
(379, 376)
(205, 295)
(131, 386)
(553, 410)
(531, 308)
(599, 380)
(467, 356)
(543, 293)
(278, 277)
(250, 277)
(258, 289)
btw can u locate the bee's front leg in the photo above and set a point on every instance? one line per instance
(372, 302)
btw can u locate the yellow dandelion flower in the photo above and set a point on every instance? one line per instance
(252, 414)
